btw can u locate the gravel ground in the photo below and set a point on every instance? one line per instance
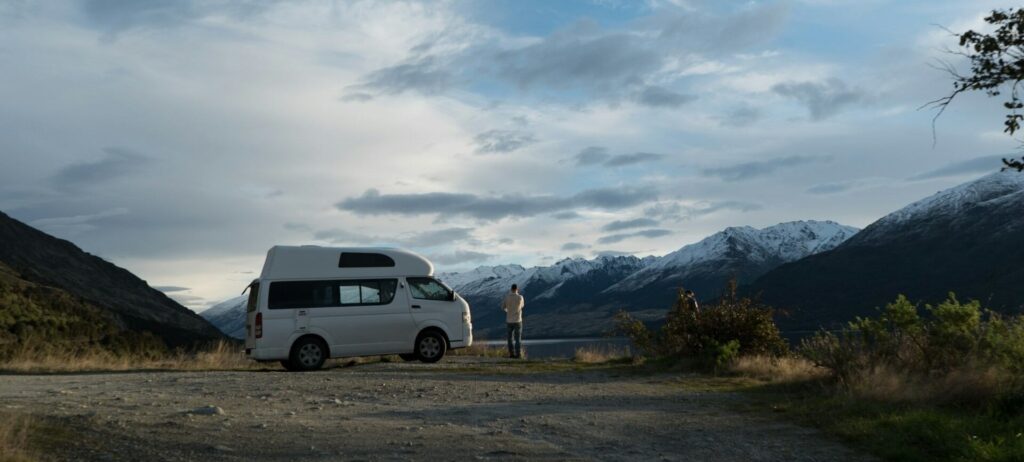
(460, 409)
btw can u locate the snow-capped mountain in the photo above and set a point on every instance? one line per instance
(965, 239)
(594, 289)
(741, 252)
(228, 316)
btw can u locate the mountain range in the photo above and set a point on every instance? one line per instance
(967, 239)
(576, 296)
(47, 279)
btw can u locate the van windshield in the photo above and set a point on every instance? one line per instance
(254, 293)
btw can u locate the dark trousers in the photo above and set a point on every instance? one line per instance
(515, 332)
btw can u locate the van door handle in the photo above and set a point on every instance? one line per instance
(416, 306)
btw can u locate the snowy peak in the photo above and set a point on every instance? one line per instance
(741, 250)
(992, 190)
(785, 241)
(228, 316)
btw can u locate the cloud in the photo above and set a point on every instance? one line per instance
(437, 237)
(568, 215)
(648, 233)
(619, 225)
(116, 163)
(597, 63)
(967, 167)
(502, 141)
(655, 96)
(591, 155)
(573, 246)
(822, 99)
(76, 224)
(113, 16)
(630, 159)
(597, 155)
(166, 289)
(372, 202)
(581, 55)
(844, 186)
(294, 226)
(461, 256)
(424, 75)
(742, 116)
(718, 206)
(422, 239)
(748, 170)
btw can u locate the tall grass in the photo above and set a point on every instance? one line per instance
(14, 438)
(595, 354)
(480, 349)
(222, 355)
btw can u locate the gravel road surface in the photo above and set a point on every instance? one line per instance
(460, 409)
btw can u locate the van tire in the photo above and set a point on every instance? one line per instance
(430, 346)
(308, 354)
(409, 356)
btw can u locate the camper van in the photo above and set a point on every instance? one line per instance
(312, 303)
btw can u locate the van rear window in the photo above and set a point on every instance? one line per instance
(365, 260)
(254, 292)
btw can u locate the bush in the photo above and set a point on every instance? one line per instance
(720, 333)
(954, 349)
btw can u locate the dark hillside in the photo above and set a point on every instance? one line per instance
(47, 261)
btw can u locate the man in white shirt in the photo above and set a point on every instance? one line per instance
(512, 304)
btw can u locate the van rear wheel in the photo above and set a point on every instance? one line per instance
(430, 347)
(308, 354)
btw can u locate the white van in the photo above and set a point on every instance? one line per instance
(312, 303)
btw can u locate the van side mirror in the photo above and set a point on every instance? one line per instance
(451, 296)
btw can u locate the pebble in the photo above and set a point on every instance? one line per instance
(207, 410)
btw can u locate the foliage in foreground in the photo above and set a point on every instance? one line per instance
(914, 383)
(952, 351)
(722, 332)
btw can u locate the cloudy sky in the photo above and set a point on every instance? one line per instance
(182, 139)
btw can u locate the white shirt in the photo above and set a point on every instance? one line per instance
(513, 307)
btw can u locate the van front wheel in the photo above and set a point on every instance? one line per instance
(430, 347)
(308, 354)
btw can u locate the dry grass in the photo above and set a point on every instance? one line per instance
(14, 433)
(220, 356)
(593, 354)
(785, 369)
(962, 385)
(479, 349)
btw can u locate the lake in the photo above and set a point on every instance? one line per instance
(566, 347)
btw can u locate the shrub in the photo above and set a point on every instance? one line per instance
(950, 351)
(721, 332)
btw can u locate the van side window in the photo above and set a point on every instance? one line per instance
(368, 292)
(428, 289)
(301, 294)
(365, 260)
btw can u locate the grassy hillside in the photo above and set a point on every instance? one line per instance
(37, 319)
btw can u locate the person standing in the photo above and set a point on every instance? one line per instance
(513, 304)
(690, 302)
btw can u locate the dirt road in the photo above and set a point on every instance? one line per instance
(460, 409)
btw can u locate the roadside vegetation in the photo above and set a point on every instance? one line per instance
(14, 438)
(36, 357)
(943, 382)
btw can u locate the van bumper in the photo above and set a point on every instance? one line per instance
(467, 337)
(266, 354)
